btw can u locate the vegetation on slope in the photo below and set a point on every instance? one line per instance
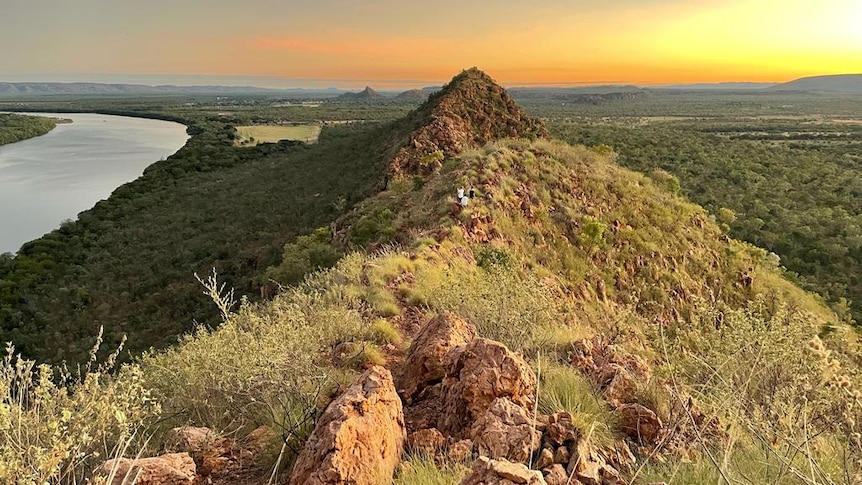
(798, 199)
(559, 245)
(128, 263)
(20, 127)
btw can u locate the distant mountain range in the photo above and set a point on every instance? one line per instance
(30, 88)
(839, 83)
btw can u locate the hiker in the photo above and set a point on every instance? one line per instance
(460, 193)
(472, 192)
(464, 200)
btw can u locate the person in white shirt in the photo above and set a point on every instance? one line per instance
(460, 193)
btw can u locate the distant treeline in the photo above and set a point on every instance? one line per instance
(20, 127)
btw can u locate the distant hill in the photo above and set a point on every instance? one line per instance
(718, 86)
(38, 89)
(366, 94)
(839, 83)
(412, 95)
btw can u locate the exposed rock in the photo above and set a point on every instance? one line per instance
(358, 439)
(612, 370)
(561, 429)
(506, 431)
(460, 451)
(428, 442)
(590, 468)
(545, 459)
(190, 439)
(562, 455)
(640, 423)
(477, 374)
(556, 475)
(424, 411)
(470, 111)
(424, 363)
(170, 469)
(502, 472)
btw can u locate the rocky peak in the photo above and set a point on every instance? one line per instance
(469, 111)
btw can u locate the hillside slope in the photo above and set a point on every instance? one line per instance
(574, 317)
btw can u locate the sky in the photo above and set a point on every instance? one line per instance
(399, 43)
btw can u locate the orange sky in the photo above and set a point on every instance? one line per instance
(348, 43)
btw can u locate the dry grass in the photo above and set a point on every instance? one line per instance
(248, 136)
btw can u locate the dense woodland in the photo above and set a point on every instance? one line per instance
(129, 262)
(20, 127)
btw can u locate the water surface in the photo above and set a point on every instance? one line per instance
(51, 178)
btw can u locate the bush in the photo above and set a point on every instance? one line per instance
(562, 388)
(56, 427)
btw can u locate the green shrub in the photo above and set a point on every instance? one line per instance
(419, 470)
(562, 388)
(490, 256)
(383, 332)
(56, 427)
(308, 254)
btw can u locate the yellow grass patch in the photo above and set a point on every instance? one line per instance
(248, 136)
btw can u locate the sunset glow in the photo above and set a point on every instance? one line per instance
(348, 43)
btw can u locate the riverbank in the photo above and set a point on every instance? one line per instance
(14, 127)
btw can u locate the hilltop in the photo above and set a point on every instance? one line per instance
(573, 320)
(365, 95)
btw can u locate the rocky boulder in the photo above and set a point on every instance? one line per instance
(640, 423)
(358, 439)
(476, 374)
(190, 439)
(170, 469)
(423, 365)
(501, 472)
(506, 431)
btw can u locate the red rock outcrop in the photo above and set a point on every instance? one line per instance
(170, 469)
(358, 439)
(506, 431)
(476, 374)
(423, 365)
(640, 423)
(469, 111)
(501, 472)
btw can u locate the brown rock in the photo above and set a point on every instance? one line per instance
(460, 451)
(477, 374)
(546, 458)
(562, 455)
(556, 475)
(613, 371)
(190, 439)
(170, 469)
(428, 442)
(358, 439)
(502, 472)
(424, 363)
(561, 429)
(506, 431)
(639, 422)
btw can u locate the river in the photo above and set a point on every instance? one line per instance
(51, 178)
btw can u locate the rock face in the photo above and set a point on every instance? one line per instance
(469, 111)
(423, 366)
(639, 423)
(171, 469)
(190, 439)
(506, 431)
(502, 472)
(613, 371)
(359, 437)
(477, 374)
